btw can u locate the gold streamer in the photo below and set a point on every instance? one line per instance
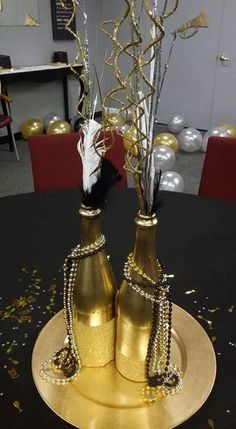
(213, 310)
(209, 322)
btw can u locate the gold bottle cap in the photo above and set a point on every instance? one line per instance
(88, 211)
(146, 221)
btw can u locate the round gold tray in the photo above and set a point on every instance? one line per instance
(100, 398)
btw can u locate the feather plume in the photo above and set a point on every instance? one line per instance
(91, 151)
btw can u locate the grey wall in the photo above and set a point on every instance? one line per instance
(34, 46)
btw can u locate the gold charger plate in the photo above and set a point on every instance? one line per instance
(100, 398)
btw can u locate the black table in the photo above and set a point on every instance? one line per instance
(196, 241)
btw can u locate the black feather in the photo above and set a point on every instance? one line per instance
(109, 177)
(155, 204)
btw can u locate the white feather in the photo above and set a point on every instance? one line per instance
(91, 158)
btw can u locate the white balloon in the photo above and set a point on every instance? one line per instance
(216, 131)
(171, 181)
(190, 140)
(176, 124)
(164, 158)
(50, 118)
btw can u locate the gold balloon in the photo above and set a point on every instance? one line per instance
(231, 129)
(166, 139)
(129, 138)
(113, 120)
(59, 127)
(31, 127)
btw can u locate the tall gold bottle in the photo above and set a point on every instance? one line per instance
(134, 313)
(94, 295)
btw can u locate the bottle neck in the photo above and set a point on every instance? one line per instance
(145, 246)
(90, 225)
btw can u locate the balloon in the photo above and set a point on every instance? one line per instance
(164, 158)
(113, 120)
(231, 130)
(129, 138)
(190, 140)
(50, 118)
(124, 128)
(31, 127)
(171, 181)
(59, 127)
(166, 139)
(176, 124)
(217, 131)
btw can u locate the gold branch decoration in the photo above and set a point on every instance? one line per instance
(137, 89)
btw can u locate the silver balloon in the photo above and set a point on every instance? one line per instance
(164, 158)
(171, 181)
(190, 140)
(216, 131)
(176, 124)
(50, 118)
(123, 128)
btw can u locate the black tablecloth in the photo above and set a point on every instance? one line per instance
(196, 241)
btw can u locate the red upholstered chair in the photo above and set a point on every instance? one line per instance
(218, 178)
(6, 120)
(56, 163)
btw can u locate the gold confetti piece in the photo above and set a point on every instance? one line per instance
(213, 310)
(231, 309)
(17, 405)
(9, 350)
(213, 339)
(209, 322)
(48, 307)
(23, 319)
(211, 423)
(53, 287)
(14, 361)
(25, 270)
(188, 292)
(13, 374)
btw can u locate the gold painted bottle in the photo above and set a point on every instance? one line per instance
(134, 313)
(94, 295)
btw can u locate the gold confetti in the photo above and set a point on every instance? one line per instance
(211, 423)
(24, 270)
(53, 287)
(23, 319)
(213, 339)
(14, 361)
(17, 405)
(188, 292)
(209, 322)
(213, 310)
(9, 350)
(231, 309)
(13, 373)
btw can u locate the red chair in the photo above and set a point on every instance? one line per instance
(56, 163)
(218, 178)
(6, 120)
